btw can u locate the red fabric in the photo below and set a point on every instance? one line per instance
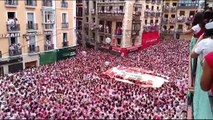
(209, 60)
(199, 33)
(150, 39)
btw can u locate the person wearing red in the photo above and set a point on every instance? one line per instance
(207, 75)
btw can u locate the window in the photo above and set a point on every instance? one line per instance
(48, 16)
(156, 21)
(152, 7)
(31, 2)
(13, 40)
(118, 42)
(166, 16)
(182, 12)
(64, 17)
(32, 40)
(30, 20)
(147, 6)
(172, 16)
(145, 21)
(65, 37)
(1, 71)
(191, 13)
(180, 26)
(151, 21)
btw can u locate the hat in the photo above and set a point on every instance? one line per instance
(209, 26)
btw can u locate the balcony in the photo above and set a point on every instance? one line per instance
(11, 3)
(49, 25)
(48, 47)
(33, 26)
(65, 25)
(152, 14)
(165, 21)
(13, 27)
(158, 2)
(158, 13)
(181, 19)
(154, 28)
(93, 11)
(193, 5)
(173, 9)
(166, 9)
(79, 2)
(172, 21)
(47, 3)
(15, 50)
(33, 49)
(148, 1)
(30, 3)
(111, 10)
(153, 2)
(65, 44)
(190, 19)
(64, 4)
(179, 30)
(86, 11)
(146, 28)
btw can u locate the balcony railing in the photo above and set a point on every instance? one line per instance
(13, 27)
(65, 44)
(47, 3)
(146, 28)
(148, 1)
(115, 10)
(33, 49)
(86, 11)
(181, 19)
(33, 26)
(172, 21)
(64, 4)
(190, 19)
(158, 13)
(165, 20)
(31, 3)
(48, 47)
(179, 30)
(173, 9)
(192, 5)
(48, 25)
(15, 50)
(152, 14)
(93, 11)
(11, 2)
(65, 25)
(166, 9)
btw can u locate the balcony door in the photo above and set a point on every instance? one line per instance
(64, 18)
(30, 20)
(32, 43)
(48, 17)
(13, 40)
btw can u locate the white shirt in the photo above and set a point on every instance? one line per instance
(204, 47)
(196, 28)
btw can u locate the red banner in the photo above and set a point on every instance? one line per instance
(150, 39)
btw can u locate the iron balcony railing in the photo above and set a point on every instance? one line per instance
(31, 3)
(47, 3)
(11, 2)
(13, 27)
(33, 49)
(48, 47)
(64, 4)
(32, 26)
(65, 25)
(65, 44)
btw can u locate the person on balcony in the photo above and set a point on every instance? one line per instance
(201, 49)
(10, 24)
(207, 75)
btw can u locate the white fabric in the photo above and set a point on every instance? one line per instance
(196, 28)
(209, 25)
(204, 47)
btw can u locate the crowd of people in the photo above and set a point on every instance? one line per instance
(76, 88)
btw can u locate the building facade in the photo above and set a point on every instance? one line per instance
(110, 23)
(177, 17)
(30, 27)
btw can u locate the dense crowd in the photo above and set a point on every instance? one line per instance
(76, 87)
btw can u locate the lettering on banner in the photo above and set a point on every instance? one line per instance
(9, 35)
